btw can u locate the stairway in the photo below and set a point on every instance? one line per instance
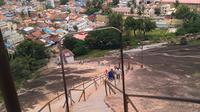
(95, 103)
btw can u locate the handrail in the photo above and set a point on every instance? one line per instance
(98, 77)
(50, 101)
(182, 99)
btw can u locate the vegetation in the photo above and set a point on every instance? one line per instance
(177, 3)
(158, 35)
(115, 2)
(78, 47)
(115, 20)
(157, 11)
(2, 2)
(31, 49)
(107, 10)
(91, 10)
(94, 54)
(63, 2)
(29, 57)
(193, 42)
(138, 26)
(93, 6)
(191, 20)
(103, 39)
(182, 12)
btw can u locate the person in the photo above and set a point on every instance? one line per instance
(118, 72)
(110, 75)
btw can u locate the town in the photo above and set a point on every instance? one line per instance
(100, 55)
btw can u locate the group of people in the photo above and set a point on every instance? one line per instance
(114, 74)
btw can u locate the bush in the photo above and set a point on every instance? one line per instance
(103, 39)
(181, 31)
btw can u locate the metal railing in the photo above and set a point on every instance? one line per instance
(110, 88)
(83, 86)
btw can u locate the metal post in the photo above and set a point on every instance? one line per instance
(6, 82)
(106, 88)
(142, 56)
(49, 105)
(63, 76)
(123, 79)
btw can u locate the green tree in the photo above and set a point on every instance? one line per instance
(107, 10)
(177, 3)
(32, 49)
(91, 10)
(148, 25)
(97, 3)
(115, 2)
(115, 20)
(182, 12)
(63, 2)
(2, 2)
(88, 3)
(157, 11)
(103, 39)
(69, 42)
(130, 24)
(75, 28)
(78, 47)
(140, 10)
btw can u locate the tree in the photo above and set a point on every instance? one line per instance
(32, 49)
(157, 11)
(132, 4)
(69, 42)
(2, 2)
(91, 10)
(177, 3)
(115, 2)
(63, 2)
(97, 3)
(75, 28)
(103, 39)
(148, 25)
(140, 10)
(78, 47)
(182, 12)
(107, 10)
(132, 10)
(88, 4)
(130, 24)
(115, 20)
(20, 68)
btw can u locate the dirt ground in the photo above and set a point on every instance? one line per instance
(168, 71)
(49, 83)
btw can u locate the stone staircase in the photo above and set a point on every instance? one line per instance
(95, 103)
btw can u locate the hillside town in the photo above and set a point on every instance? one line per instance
(35, 21)
(99, 55)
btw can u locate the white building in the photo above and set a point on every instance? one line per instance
(68, 56)
(11, 37)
